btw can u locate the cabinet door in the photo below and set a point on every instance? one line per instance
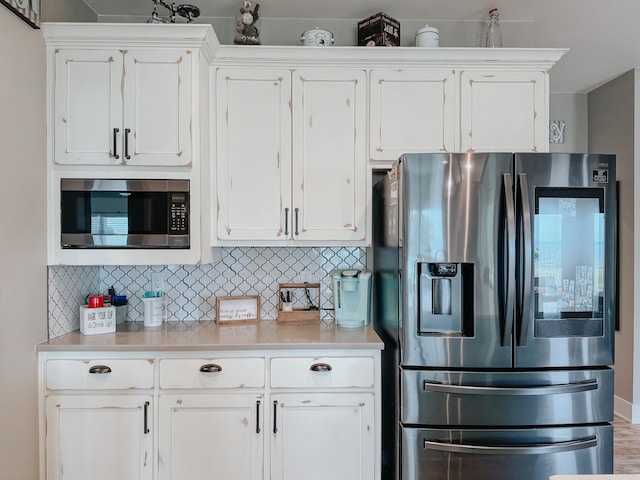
(210, 436)
(158, 121)
(87, 107)
(322, 436)
(101, 437)
(329, 148)
(253, 154)
(411, 111)
(504, 111)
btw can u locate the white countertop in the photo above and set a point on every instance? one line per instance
(191, 336)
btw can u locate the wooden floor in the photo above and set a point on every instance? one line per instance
(626, 447)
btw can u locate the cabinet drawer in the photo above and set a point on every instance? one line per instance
(212, 373)
(323, 372)
(100, 374)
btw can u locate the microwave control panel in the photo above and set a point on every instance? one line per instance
(178, 214)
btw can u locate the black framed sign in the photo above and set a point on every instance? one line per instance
(27, 10)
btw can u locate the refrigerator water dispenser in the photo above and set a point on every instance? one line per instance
(352, 297)
(444, 297)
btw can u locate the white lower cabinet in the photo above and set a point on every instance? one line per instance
(282, 415)
(210, 436)
(99, 437)
(323, 436)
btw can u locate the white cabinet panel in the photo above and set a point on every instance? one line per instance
(411, 111)
(99, 374)
(329, 133)
(114, 107)
(211, 372)
(322, 372)
(158, 107)
(87, 99)
(253, 154)
(290, 155)
(212, 436)
(99, 437)
(322, 436)
(504, 111)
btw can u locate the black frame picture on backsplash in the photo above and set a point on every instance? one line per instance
(27, 10)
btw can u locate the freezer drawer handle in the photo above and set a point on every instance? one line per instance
(210, 368)
(583, 386)
(547, 448)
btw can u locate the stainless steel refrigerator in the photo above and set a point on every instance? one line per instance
(495, 294)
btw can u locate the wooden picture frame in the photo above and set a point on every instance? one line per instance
(27, 10)
(238, 309)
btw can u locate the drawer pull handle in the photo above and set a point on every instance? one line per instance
(257, 416)
(320, 367)
(115, 143)
(210, 368)
(100, 369)
(275, 416)
(146, 417)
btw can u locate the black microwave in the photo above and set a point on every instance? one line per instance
(132, 213)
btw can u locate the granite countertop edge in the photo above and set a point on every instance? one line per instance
(209, 336)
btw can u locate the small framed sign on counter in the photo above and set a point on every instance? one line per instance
(240, 309)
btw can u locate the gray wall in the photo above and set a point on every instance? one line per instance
(572, 109)
(612, 127)
(23, 275)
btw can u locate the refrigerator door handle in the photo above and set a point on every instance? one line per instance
(507, 327)
(522, 326)
(583, 386)
(550, 448)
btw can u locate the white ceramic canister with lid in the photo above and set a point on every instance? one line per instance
(427, 37)
(317, 37)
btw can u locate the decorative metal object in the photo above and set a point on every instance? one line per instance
(27, 10)
(185, 10)
(556, 131)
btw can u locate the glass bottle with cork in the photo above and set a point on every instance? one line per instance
(494, 33)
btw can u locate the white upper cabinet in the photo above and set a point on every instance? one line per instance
(504, 111)
(114, 107)
(129, 101)
(291, 155)
(329, 152)
(411, 111)
(253, 118)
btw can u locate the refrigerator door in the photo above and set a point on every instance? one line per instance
(505, 454)
(457, 227)
(566, 222)
(506, 398)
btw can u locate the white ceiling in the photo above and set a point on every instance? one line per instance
(603, 37)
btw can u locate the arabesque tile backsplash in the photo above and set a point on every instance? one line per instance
(192, 290)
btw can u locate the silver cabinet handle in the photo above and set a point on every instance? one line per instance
(584, 386)
(210, 368)
(297, 232)
(99, 369)
(533, 449)
(286, 221)
(320, 367)
(115, 143)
